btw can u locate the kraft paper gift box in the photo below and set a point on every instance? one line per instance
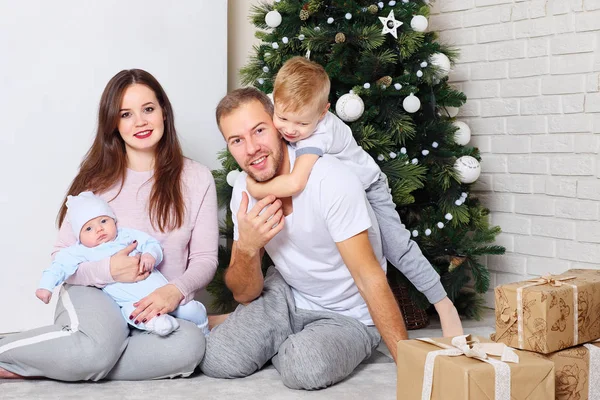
(577, 372)
(550, 313)
(443, 371)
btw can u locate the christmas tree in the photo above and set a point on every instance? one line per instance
(389, 82)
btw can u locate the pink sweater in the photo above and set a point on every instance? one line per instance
(190, 252)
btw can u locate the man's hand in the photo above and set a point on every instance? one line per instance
(256, 229)
(162, 301)
(451, 325)
(147, 262)
(44, 295)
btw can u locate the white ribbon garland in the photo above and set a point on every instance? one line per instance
(465, 345)
(594, 374)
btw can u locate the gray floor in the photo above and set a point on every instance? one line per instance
(374, 379)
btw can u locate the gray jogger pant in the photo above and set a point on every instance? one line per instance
(398, 247)
(309, 349)
(90, 341)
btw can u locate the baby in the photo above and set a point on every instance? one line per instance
(94, 224)
(300, 96)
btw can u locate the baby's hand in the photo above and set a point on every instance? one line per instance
(44, 295)
(251, 185)
(146, 263)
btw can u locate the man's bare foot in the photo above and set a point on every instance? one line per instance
(4, 374)
(214, 320)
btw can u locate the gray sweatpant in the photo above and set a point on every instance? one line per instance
(398, 247)
(90, 341)
(310, 349)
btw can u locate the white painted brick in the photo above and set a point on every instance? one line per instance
(576, 5)
(456, 5)
(526, 125)
(560, 7)
(528, 67)
(504, 279)
(491, 70)
(534, 27)
(588, 189)
(506, 240)
(572, 64)
(507, 263)
(497, 202)
(592, 83)
(522, 87)
(564, 24)
(570, 123)
(528, 164)
(561, 186)
(434, 7)
(486, 16)
(494, 33)
(507, 50)
(573, 43)
(588, 231)
(487, 126)
(537, 47)
(573, 103)
(541, 105)
(488, 297)
(499, 107)
(564, 84)
(577, 209)
(509, 144)
(572, 165)
(482, 3)
(520, 11)
(552, 143)
(592, 102)
(512, 223)
(460, 36)
(459, 73)
(595, 123)
(539, 184)
(534, 205)
(580, 265)
(567, 250)
(590, 5)
(513, 183)
(586, 143)
(473, 53)
(588, 21)
(483, 143)
(537, 8)
(494, 163)
(535, 246)
(540, 266)
(439, 23)
(481, 89)
(553, 227)
(483, 183)
(471, 109)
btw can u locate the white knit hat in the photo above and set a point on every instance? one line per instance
(85, 207)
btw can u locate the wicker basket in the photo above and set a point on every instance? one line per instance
(414, 316)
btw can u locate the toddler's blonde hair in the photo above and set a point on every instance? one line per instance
(301, 83)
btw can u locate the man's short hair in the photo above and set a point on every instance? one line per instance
(237, 98)
(301, 83)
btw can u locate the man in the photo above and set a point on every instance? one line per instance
(321, 309)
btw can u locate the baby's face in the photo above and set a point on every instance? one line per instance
(298, 125)
(97, 231)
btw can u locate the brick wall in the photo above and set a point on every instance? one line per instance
(531, 72)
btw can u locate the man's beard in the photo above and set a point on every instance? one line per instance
(277, 157)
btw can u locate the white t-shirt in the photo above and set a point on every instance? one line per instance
(331, 208)
(333, 136)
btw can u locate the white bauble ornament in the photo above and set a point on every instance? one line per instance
(349, 107)
(442, 62)
(419, 23)
(275, 45)
(273, 19)
(463, 135)
(411, 103)
(440, 225)
(330, 20)
(452, 111)
(468, 168)
(427, 232)
(415, 233)
(232, 177)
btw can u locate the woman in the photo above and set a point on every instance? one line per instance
(136, 164)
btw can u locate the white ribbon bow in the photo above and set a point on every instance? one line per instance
(471, 347)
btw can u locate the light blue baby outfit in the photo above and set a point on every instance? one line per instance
(68, 259)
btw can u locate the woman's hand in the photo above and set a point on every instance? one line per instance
(127, 269)
(162, 301)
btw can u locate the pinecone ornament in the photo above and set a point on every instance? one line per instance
(304, 14)
(385, 81)
(455, 262)
(373, 9)
(340, 38)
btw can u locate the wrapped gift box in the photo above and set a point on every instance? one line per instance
(549, 313)
(425, 371)
(577, 372)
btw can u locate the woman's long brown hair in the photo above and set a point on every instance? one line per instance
(105, 163)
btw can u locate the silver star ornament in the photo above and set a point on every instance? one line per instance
(390, 25)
